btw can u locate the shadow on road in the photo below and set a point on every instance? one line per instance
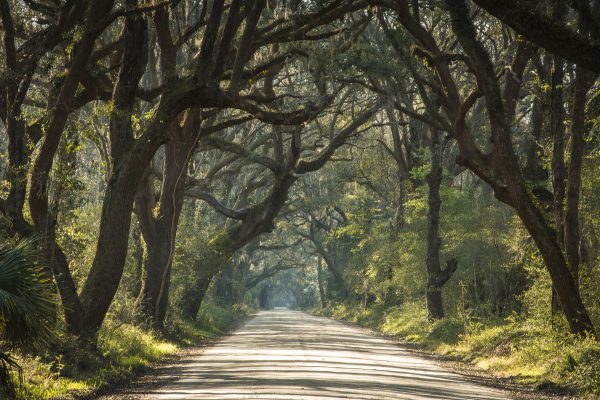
(291, 355)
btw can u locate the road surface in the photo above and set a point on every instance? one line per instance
(285, 354)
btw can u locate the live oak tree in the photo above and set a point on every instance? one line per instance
(248, 221)
(498, 164)
(223, 56)
(379, 154)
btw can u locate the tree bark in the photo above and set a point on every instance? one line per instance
(501, 170)
(160, 232)
(322, 295)
(583, 82)
(436, 277)
(109, 261)
(130, 161)
(559, 172)
(153, 305)
(333, 268)
(194, 294)
(534, 171)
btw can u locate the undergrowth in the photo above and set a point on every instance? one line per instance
(68, 371)
(534, 352)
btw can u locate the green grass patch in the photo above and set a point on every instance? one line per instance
(532, 351)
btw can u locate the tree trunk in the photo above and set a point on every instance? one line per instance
(193, 296)
(321, 284)
(331, 263)
(501, 170)
(534, 171)
(559, 172)
(336, 272)
(109, 261)
(138, 255)
(67, 290)
(153, 305)
(436, 278)
(160, 232)
(130, 160)
(583, 82)
(562, 280)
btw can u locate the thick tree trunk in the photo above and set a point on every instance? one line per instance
(130, 159)
(436, 277)
(213, 260)
(153, 305)
(160, 232)
(562, 280)
(336, 272)
(109, 261)
(331, 264)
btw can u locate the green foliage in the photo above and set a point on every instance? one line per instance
(27, 305)
(27, 302)
(130, 346)
(521, 348)
(498, 301)
(216, 319)
(409, 321)
(124, 349)
(72, 369)
(365, 215)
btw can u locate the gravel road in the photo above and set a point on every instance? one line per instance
(286, 354)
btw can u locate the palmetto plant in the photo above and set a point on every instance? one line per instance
(27, 304)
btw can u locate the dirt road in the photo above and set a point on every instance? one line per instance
(292, 355)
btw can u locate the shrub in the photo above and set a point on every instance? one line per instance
(27, 305)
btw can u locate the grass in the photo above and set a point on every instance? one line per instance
(124, 350)
(532, 351)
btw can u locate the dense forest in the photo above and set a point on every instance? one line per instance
(427, 168)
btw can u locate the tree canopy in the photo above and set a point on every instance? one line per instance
(165, 154)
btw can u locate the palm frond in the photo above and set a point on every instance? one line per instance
(27, 301)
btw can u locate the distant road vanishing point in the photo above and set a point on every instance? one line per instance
(284, 354)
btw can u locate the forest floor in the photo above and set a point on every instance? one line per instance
(293, 355)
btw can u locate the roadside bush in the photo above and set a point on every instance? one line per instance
(408, 321)
(70, 370)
